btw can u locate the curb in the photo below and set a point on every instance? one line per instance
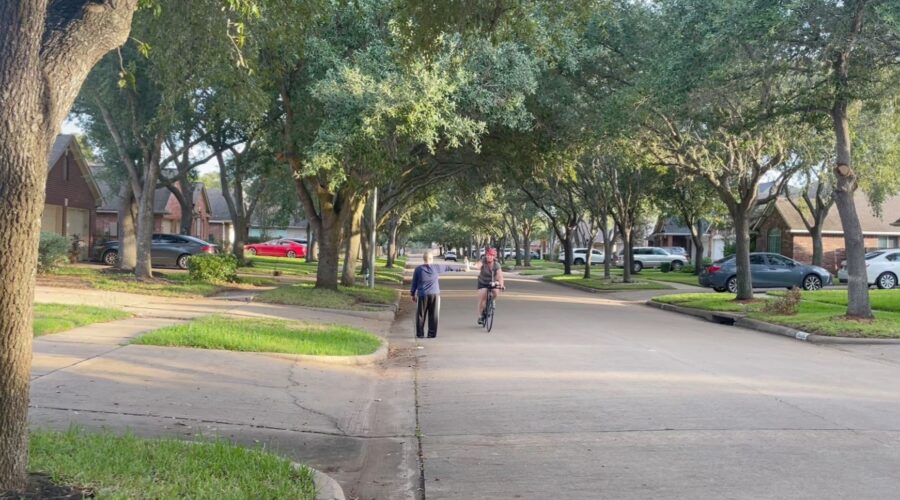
(326, 487)
(379, 355)
(739, 320)
(576, 286)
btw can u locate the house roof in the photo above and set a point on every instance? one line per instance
(218, 207)
(68, 142)
(672, 226)
(871, 223)
(112, 200)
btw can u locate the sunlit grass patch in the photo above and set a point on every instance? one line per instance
(353, 297)
(53, 318)
(130, 467)
(264, 335)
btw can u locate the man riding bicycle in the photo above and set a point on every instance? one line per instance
(490, 278)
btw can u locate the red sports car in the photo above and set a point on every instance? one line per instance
(277, 248)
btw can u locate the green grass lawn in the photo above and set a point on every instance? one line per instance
(607, 285)
(129, 467)
(289, 267)
(671, 277)
(53, 318)
(821, 312)
(354, 297)
(168, 284)
(264, 335)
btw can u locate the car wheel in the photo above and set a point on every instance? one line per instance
(637, 267)
(182, 261)
(578, 262)
(111, 258)
(886, 280)
(677, 265)
(731, 284)
(251, 251)
(291, 254)
(812, 282)
(719, 289)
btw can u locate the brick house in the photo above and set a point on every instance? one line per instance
(781, 230)
(221, 227)
(72, 195)
(670, 232)
(166, 212)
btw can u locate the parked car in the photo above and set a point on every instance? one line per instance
(277, 248)
(301, 241)
(676, 251)
(651, 257)
(450, 255)
(509, 253)
(579, 255)
(767, 270)
(882, 268)
(165, 250)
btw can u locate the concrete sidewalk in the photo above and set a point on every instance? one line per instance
(355, 423)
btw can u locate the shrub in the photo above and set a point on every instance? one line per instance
(665, 267)
(785, 305)
(707, 261)
(53, 251)
(687, 268)
(213, 268)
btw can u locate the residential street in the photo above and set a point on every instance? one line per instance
(572, 395)
(579, 395)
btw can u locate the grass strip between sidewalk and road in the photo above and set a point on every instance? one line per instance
(174, 284)
(55, 318)
(346, 297)
(130, 467)
(601, 284)
(820, 312)
(264, 335)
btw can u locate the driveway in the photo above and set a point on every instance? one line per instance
(579, 395)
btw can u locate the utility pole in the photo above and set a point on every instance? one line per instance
(372, 239)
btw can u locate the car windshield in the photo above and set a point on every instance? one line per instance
(872, 255)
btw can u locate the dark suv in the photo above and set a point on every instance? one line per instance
(165, 250)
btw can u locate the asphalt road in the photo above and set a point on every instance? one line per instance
(575, 395)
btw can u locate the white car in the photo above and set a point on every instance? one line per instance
(882, 268)
(650, 257)
(450, 255)
(579, 254)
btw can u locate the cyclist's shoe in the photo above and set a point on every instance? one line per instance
(481, 320)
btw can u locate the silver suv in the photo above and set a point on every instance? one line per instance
(652, 257)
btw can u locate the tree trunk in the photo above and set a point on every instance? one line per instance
(393, 227)
(818, 248)
(329, 240)
(608, 239)
(627, 259)
(742, 254)
(40, 76)
(23, 168)
(312, 247)
(186, 201)
(126, 229)
(567, 251)
(355, 210)
(858, 287)
(697, 239)
(143, 268)
(592, 237)
(526, 245)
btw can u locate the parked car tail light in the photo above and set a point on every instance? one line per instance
(713, 269)
(208, 249)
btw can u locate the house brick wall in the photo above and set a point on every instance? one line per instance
(76, 189)
(832, 249)
(775, 221)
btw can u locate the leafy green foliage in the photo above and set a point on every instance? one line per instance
(213, 268)
(52, 251)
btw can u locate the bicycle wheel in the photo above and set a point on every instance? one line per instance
(489, 316)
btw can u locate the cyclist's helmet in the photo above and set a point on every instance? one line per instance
(491, 251)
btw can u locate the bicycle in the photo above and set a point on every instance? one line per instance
(487, 316)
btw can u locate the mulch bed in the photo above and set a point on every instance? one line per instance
(41, 486)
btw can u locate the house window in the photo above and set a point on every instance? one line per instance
(887, 242)
(774, 241)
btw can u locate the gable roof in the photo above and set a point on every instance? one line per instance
(112, 200)
(872, 224)
(218, 207)
(68, 142)
(672, 226)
